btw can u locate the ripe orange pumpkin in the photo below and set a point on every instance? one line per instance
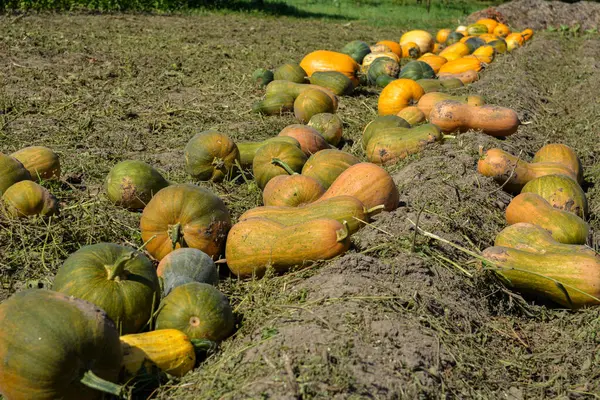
(399, 94)
(461, 65)
(393, 46)
(292, 190)
(324, 60)
(309, 138)
(442, 35)
(185, 215)
(435, 62)
(527, 34)
(423, 39)
(410, 50)
(40, 161)
(501, 30)
(455, 51)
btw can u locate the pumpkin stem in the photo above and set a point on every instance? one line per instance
(175, 234)
(372, 210)
(93, 381)
(342, 234)
(117, 268)
(204, 345)
(448, 137)
(279, 162)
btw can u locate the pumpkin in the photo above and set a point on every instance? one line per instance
(309, 138)
(466, 77)
(384, 80)
(326, 165)
(382, 66)
(527, 34)
(474, 43)
(169, 350)
(380, 47)
(311, 102)
(118, 279)
(393, 46)
(256, 243)
(262, 77)
(461, 29)
(535, 239)
(513, 41)
(416, 70)
(274, 104)
(370, 59)
(436, 85)
(369, 183)
(528, 272)
(11, 172)
(382, 122)
(501, 30)
(292, 190)
(560, 153)
(477, 29)
(295, 89)
(488, 37)
(54, 346)
(410, 50)
(27, 198)
(186, 265)
(453, 37)
(131, 184)
(513, 173)
(412, 115)
(197, 309)
(564, 226)
(423, 39)
(451, 116)
(185, 215)
(388, 146)
(248, 149)
(211, 156)
(357, 50)
(330, 126)
(561, 192)
(429, 100)
(499, 45)
(455, 51)
(290, 72)
(399, 94)
(484, 54)
(435, 62)
(323, 60)
(490, 24)
(436, 48)
(345, 209)
(41, 162)
(461, 65)
(335, 81)
(442, 35)
(270, 158)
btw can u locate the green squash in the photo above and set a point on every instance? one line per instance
(311, 102)
(326, 165)
(474, 43)
(477, 29)
(131, 184)
(416, 70)
(262, 77)
(330, 126)
(499, 45)
(454, 37)
(335, 81)
(384, 80)
(27, 198)
(197, 309)
(274, 159)
(290, 72)
(184, 266)
(11, 172)
(379, 123)
(211, 156)
(53, 346)
(248, 149)
(118, 279)
(382, 66)
(274, 104)
(436, 85)
(357, 49)
(561, 192)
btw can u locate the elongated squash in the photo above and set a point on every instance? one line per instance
(451, 116)
(461, 65)
(256, 243)
(560, 153)
(326, 165)
(382, 122)
(466, 77)
(292, 190)
(429, 100)
(561, 191)
(388, 146)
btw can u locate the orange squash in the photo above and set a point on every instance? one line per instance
(451, 116)
(429, 100)
(436, 48)
(388, 146)
(491, 24)
(393, 46)
(399, 94)
(560, 153)
(324, 60)
(369, 183)
(564, 226)
(442, 35)
(292, 190)
(461, 29)
(561, 192)
(309, 138)
(423, 39)
(455, 51)
(41, 162)
(466, 77)
(326, 165)
(527, 34)
(501, 30)
(255, 244)
(490, 37)
(435, 62)
(485, 53)
(461, 65)
(513, 172)
(410, 50)
(27, 198)
(413, 115)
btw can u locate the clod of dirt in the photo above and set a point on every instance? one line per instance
(541, 14)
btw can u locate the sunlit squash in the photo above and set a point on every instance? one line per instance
(290, 72)
(442, 35)
(428, 101)
(326, 165)
(262, 77)
(399, 94)
(561, 192)
(335, 81)
(312, 102)
(329, 125)
(211, 156)
(411, 50)
(27, 198)
(560, 153)
(274, 159)
(393, 46)
(423, 39)
(309, 138)
(292, 190)
(132, 183)
(412, 115)
(454, 116)
(490, 24)
(324, 60)
(248, 149)
(382, 122)
(41, 162)
(435, 62)
(274, 104)
(391, 145)
(357, 50)
(11, 172)
(501, 30)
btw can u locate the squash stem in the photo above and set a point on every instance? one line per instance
(448, 137)
(203, 345)
(175, 234)
(93, 381)
(280, 163)
(342, 234)
(371, 211)
(117, 268)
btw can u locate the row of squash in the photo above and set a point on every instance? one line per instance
(542, 252)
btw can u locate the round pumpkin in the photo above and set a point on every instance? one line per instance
(416, 70)
(274, 104)
(561, 192)
(290, 72)
(262, 77)
(382, 66)
(292, 190)
(268, 160)
(393, 46)
(118, 279)
(184, 266)
(357, 49)
(397, 95)
(131, 184)
(311, 102)
(211, 156)
(54, 346)
(560, 153)
(11, 172)
(453, 37)
(423, 39)
(379, 123)
(197, 309)
(41, 162)
(442, 35)
(323, 60)
(326, 165)
(413, 115)
(309, 138)
(501, 30)
(185, 215)
(411, 50)
(335, 81)
(27, 198)
(330, 126)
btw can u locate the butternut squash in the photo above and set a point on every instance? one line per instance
(429, 100)
(388, 146)
(451, 116)
(461, 65)
(561, 192)
(560, 153)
